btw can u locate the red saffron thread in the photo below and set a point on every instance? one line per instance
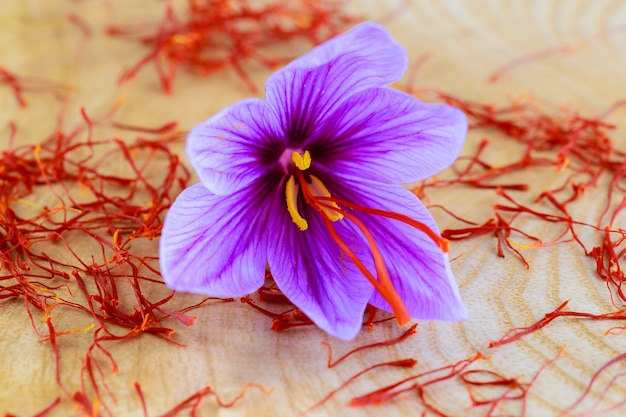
(403, 363)
(20, 84)
(193, 401)
(409, 332)
(596, 375)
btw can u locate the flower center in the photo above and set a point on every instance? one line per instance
(331, 209)
(311, 187)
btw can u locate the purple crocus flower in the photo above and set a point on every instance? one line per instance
(308, 184)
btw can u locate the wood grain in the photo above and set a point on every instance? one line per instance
(229, 345)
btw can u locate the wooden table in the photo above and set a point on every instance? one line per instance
(576, 59)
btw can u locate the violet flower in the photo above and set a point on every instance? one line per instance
(308, 184)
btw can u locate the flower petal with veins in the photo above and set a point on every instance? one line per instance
(308, 183)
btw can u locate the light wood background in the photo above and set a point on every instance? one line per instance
(230, 345)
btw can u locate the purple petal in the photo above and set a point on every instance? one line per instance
(316, 276)
(314, 86)
(418, 269)
(389, 136)
(211, 244)
(230, 150)
(369, 41)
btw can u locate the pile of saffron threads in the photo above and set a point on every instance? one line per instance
(213, 35)
(110, 214)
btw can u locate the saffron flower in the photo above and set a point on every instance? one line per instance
(308, 183)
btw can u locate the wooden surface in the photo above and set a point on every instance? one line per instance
(230, 345)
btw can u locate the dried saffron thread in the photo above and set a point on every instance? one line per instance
(48, 408)
(193, 401)
(142, 399)
(55, 354)
(514, 334)
(403, 363)
(393, 390)
(602, 396)
(515, 389)
(537, 374)
(568, 136)
(595, 376)
(519, 332)
(410, 331)
(85, 30)
(20, 84)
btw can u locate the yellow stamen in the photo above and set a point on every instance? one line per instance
(318, 189)
(291, 191)
(302, 161)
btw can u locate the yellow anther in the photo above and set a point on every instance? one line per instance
(302, 161)
(291, 192)
(319, 190)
